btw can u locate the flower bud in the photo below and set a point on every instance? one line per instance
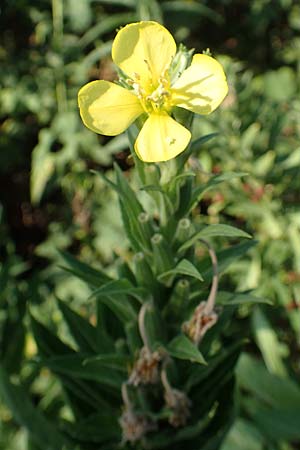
(163, 260)
(183, 231)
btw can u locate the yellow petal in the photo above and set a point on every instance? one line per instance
(143, 48)
(107, 108)
(201, 87)
(161, 138)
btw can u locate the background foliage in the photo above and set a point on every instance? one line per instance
(50, 200)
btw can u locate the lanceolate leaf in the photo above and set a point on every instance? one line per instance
(113, 294)
(48, 344)
(212, 231)
(182, 347)
(104, 372)
(82, 331)
(184, 267)
(119, 287)
(277, 424)
(94, 277)
(277, 392)
(225, 258)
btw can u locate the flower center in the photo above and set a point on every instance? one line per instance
(154, 98)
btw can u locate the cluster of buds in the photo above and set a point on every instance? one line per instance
(201, 321)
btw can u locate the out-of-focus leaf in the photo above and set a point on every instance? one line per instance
(192, 7)
(268, 343)
(48, 344)
(93, 277)
(275, 79)
(278, 392)
(149, 10)
(79, 13)
(42, 165)
(106, 25)
(199, 191)
(277, 424)
(102, 371)
(240, 298)
(26, 414)
(82, 331)
(127, 3)
(243, 436)
(201, 140)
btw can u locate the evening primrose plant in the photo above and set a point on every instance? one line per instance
(152, 85)
(149, 361)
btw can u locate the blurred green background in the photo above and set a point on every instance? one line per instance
(50, 200)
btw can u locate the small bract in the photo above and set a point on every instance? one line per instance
(144, 52)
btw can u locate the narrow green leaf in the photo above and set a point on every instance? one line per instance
(112, 361)
(278, 392)
(94, 277)
(106, 25)
(184, 267)
(214, 230)
(127, 193)
(26, 414)
(182, 347)
(192, 8)
(113, 294)
(220, 229)
(243, 436)
(225, 258)
(42, 165)
(82, 331)
(120, 307)
(48, 344)
(119, 287)
(276, 424)
(268, 343)
(102, 371)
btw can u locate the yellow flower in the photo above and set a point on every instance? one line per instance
(144, 52)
